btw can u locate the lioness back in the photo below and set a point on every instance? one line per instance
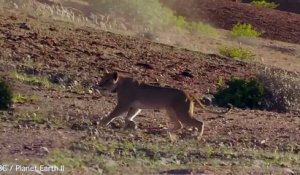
(152, 97)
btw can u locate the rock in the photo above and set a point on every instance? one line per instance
(24, 26)
(178, 171)
(187, 73)
(144, 65)
(288, 171)
(110, 163)
(45, 149)
(130, 125)
(207, 99)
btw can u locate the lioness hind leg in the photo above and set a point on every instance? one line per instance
(188, 120)
(132, 113)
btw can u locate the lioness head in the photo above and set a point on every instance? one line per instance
(108, 82)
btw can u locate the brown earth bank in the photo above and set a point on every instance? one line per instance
(284, 5)
(275, 24)
(83, 53)
(89, 51)
(68, 55)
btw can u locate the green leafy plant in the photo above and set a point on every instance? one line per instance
(201, 27)
(244, 30)
(34, 80)
(236, 52)
(265, 3)
(6, 95)
(31, 118)
(151, 14)
(220, 82)
(65, 158)
(181, 22)
(241, 93)
(23, 98)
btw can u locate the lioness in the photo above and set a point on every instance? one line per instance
(134, 96)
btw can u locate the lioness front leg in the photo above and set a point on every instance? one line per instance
(132, 113)
(119, 110)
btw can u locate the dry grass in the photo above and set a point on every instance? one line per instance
(41, 10)
(283, 89)
(173, 34)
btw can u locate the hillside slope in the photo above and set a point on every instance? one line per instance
(53, 64)
(275, 24)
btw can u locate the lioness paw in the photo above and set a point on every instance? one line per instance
(130, 125)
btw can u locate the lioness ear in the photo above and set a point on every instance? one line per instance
(115, 76)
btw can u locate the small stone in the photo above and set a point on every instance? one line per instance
(24, 26)
(187, 73)
(288, 171)
(45, 149)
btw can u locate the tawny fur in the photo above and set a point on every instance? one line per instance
(134, 96)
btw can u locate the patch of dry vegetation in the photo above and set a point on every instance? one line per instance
(151, 15)
(271, 89)
(41, 10)
(147, 19)
(109, 156)
(283, 89)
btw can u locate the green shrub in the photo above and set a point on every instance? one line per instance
(34, 80)
(203, 28)
(271, 89)
(244, 30)
(241, 93)
(5, 95)
(264, 3)
(236, 52)
(23, 98)
(150, 14)
(181, 22)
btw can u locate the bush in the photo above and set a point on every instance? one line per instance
(203, 28)
(34, 80)
(236, 52)
(282, 90)
(241, 93)
(264, 3)
(150, 14)
(271, 89)
(5, 96)
(244, 30)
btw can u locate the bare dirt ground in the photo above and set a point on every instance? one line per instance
(267, 51)
(277, 25)
(60, 124)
